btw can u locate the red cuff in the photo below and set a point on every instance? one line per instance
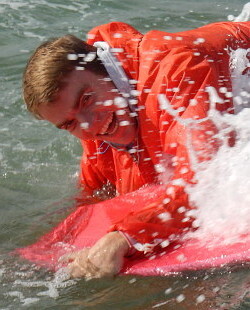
(131, 242)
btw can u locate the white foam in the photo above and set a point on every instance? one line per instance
(222, 193)
(244, 16)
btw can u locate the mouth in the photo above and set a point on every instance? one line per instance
(110, 126)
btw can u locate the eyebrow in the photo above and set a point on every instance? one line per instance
(75, 105)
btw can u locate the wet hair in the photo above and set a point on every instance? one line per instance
(51, 62)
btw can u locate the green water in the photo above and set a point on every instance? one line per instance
(38, 165)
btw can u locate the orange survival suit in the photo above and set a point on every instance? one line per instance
(181, 68)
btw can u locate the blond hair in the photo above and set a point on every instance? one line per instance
(50, 63)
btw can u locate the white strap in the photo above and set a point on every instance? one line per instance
(114, 68)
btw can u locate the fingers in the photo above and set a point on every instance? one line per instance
(89, 263)
(83, 268)
(79, 265)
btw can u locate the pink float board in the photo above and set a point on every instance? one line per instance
(83, 227)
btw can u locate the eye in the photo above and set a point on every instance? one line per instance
(84, 99)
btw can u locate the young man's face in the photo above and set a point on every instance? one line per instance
(87, 106)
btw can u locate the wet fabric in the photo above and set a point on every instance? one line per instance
(178, 78)
(83, 227)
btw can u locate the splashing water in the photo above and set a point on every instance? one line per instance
(222, 192)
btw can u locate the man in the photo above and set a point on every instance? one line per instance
(140, 106)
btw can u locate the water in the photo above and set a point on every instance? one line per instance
(39, 165)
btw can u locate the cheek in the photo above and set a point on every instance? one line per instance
(53, 114)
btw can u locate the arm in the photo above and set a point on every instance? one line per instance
(94, 170)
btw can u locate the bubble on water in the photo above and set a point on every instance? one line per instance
(165, 243)
(144, 247)
(120, 102)
(196, 224)
(199, 41)
(180, 298)
(79, 68)
(117, 50)
(132, 151)
(216, 289)
(90, 57)
(72, 56)
(124, 123)
(173, 145)
(170, 190)
(117, 35)
(135, 93)
(159, 168)
(178, 182)
(160, 304)
(155, 234)
(133, 82)
(133, 114)
(223, 90)
(200, 299)
(164, 217)
(107, 79)
(24, 51)
(120, 112)
(168, 291)
(133, 101)
(184, 170)
(166, 200)
(30, 300)
(84, 125)
(108, 103)
(91, 36)
(152, 257)
(228, 94)
(181, 209)
(132, 281)
(181, 258)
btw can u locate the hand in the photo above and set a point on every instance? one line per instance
(105, 258)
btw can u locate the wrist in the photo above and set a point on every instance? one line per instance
(121, 243)
(130, 241)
